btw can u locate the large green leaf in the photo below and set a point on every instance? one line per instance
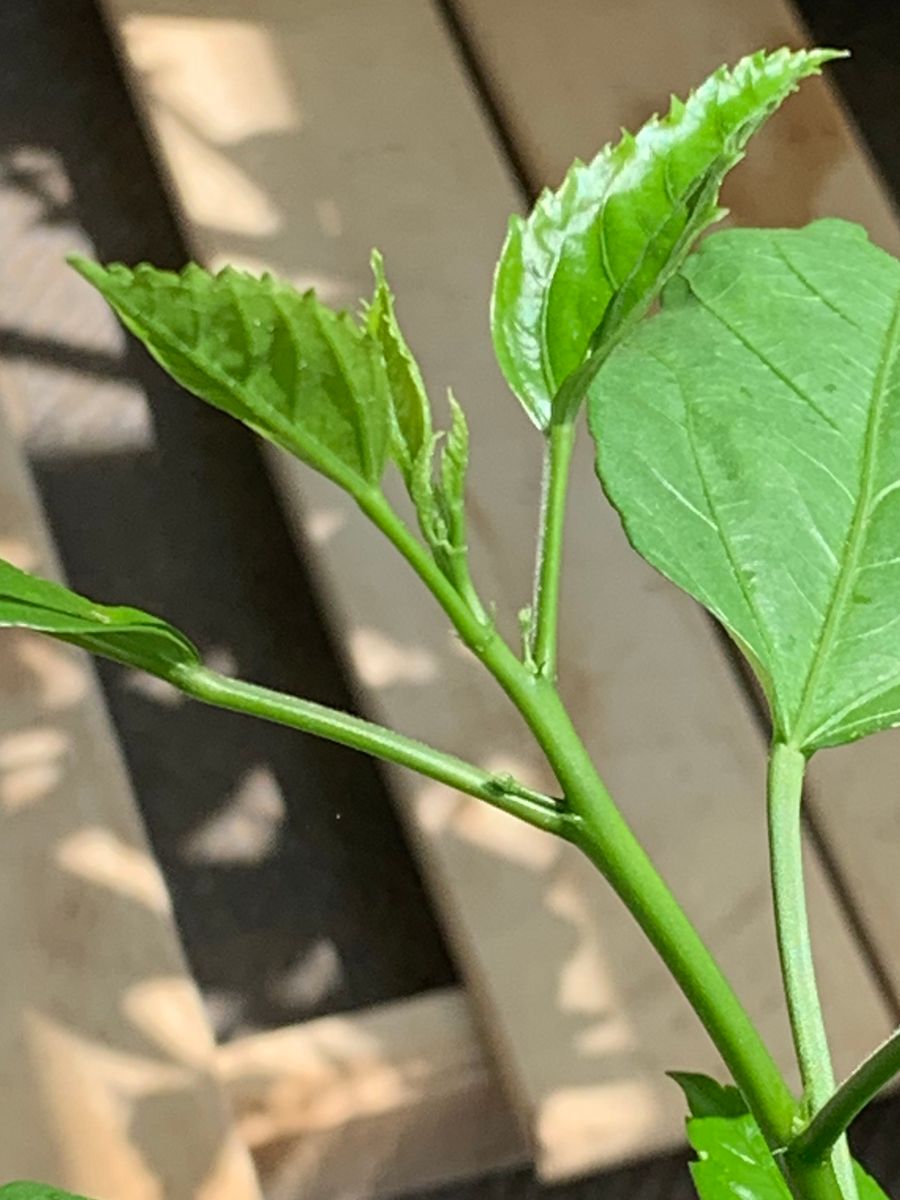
(124, 634)
(749, 436)
(593, 255)
(307, 378)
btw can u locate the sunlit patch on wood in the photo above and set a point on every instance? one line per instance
(99, 856)
(32, 764)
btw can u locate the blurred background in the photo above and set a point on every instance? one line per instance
(413, 996)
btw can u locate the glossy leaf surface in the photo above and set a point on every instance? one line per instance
(593, 255)
(307, 378)
(749, 436)
(124, 634)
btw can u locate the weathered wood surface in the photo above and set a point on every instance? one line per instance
(295, 139)
(108, 1080)
(371, 1104)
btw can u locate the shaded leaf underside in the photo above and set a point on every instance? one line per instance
(750, 438)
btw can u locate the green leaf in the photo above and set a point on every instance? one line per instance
(307, 378)
(23, 1190)
(440, 504)
(866, 1186)
(454, 466)
(125, 634)
(410, 410)
(423, 494)
(592, 256)
(733, 1160)
(708, 1098)
(749, 436)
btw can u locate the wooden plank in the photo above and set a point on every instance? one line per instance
(108, 1078)
(338, 133)
(372, 1104)
(622, 62)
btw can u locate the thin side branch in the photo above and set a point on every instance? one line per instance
(502, 791)
(814, 1142)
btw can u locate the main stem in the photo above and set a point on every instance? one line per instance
(605, 837)
(785, 790)
(602, 833)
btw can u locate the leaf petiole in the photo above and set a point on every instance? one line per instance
(787, 766)
(559, 445)
(502, 791)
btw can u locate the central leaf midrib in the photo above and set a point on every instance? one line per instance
(856, 535)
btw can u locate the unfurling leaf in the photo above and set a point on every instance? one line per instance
(454, 465)
(749, 436)
(307, 378)
(125, 634)
(410, 410)
(593, 255)
(440, 502)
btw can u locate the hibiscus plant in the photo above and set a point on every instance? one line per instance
(747, 431)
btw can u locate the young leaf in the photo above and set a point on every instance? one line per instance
(707, 1097)
(749, 436)
(410, 410)
(25, 1190)
(125, 634)
(592, 256)
(454, 465)
(307, 378)
(440, 504)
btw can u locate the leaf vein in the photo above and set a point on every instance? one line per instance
(843, 585)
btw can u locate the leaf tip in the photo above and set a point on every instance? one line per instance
(376, 262)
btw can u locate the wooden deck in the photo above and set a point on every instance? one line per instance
(294, 137)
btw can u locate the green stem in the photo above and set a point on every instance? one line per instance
(502, 791)
(787, 766)
(814, 1142)
(548, 568)
(601, 832)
